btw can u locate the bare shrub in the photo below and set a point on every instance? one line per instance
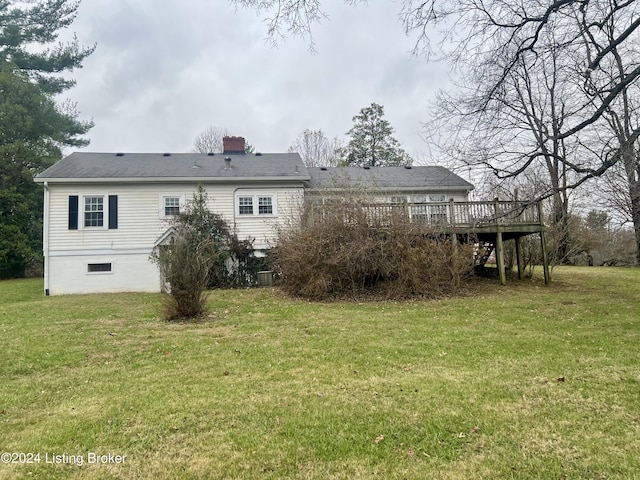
(186, 263)
(185, 266)
(353, 247)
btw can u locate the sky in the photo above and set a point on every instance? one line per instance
(163, 72)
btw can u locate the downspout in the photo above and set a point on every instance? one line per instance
(235, 190)
(45, 238)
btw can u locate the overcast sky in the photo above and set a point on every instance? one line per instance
(164, 71)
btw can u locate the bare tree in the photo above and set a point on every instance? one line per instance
(492, 38)
(210, 140)
(622, 116)
(548, 97)
(316, 149)
(576, 61)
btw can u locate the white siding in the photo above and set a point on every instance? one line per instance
(263, 229)
(131, 272)
(140, 224)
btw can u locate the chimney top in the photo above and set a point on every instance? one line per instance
(233, 144)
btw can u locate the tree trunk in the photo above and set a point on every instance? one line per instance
(634, 193)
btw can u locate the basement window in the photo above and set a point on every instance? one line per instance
(99, 268)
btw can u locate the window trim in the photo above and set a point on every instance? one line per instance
(256, 196)
(105, 212)
(162, 199)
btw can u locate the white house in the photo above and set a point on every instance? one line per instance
(105, 212)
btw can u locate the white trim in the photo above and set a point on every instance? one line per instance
(110, 252)
(45, 236)
(161, 204)
(255, 195)
(99, 262)
(82, 211)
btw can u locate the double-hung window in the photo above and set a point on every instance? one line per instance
(259, 204)
(245, 205)
(265, 205)
(171, 206)
(94, 211)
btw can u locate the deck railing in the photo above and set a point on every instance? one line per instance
(463, 215)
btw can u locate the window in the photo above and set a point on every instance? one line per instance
(171, 206)
(265, 206)
(245, 206)
(256, 204)
(98, 267)
(94, 211)
(398, 199)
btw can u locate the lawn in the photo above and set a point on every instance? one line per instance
(522, 381)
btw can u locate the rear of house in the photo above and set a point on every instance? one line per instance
(105, 212)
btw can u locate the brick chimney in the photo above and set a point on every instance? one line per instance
(233, 144)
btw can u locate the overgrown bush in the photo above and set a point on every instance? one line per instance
(349, 248)
(186, 262)
(185, 265)
(202, 253)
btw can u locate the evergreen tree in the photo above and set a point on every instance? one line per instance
(26, 25)
(33, 128)
(372, 142)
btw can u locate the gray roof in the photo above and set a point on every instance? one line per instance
(387, 178)
(85, 166)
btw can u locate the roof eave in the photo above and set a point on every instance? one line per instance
(463, 188)
(293, 179)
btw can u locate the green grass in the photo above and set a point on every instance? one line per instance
(269, 387)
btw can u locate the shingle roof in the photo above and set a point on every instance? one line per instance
(150, 166)
(387, 178)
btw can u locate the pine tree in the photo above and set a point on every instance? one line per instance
(33, 127)
(372, 142)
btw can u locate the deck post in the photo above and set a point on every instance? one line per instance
(500, 258)
(519, 259)
(452, 213)
(545, 258)
(454, 259)
(543, 245)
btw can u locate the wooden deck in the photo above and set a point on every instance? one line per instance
(490, 221)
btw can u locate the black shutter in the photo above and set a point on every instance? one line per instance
(73, 212)
(113, 212)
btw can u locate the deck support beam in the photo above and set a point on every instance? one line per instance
(545, 258)
(519, 259)
(500, 258)
(454, 259)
